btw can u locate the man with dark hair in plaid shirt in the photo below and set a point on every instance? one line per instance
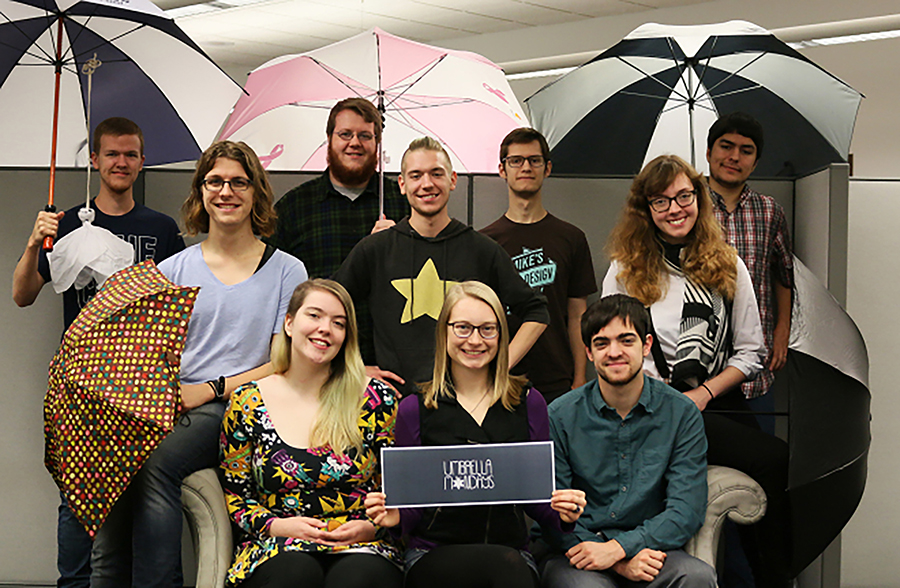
(755, 225)
(320, 221)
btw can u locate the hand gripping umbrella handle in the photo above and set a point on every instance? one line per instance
(48, 240)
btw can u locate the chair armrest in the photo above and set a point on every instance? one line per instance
(732, 494)
(203, 501)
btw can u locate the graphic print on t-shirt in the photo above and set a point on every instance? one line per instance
(536, 269)
(424, 294)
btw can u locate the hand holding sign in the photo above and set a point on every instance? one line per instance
(379, 513)
(568, 503)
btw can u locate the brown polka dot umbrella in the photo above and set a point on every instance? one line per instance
(113, 393)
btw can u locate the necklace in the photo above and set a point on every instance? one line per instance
(477, 404)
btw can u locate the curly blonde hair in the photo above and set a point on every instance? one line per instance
(634, 243)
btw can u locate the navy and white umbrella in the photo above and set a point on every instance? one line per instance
(151, 73)
(661, 88)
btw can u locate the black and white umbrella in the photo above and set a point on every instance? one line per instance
(826, 380)
(661, 88)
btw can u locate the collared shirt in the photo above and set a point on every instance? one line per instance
(758, 230)
(319, 225)
(644, 476)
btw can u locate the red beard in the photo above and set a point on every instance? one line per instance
(349, 176)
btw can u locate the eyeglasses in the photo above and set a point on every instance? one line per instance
(664, 203)
(363, 136)
(237, 184)
(536, 161)
(486, 331)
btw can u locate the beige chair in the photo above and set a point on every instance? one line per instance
(732, 495)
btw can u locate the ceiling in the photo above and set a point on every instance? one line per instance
(243, 34)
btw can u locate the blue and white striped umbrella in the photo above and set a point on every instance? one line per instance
(151, 73)
(661, 88)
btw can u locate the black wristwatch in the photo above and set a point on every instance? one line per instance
(218, 386)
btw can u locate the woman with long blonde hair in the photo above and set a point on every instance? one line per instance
(473, 399)
(668, 251)
(300, 451)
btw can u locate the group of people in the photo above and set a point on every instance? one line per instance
(313, 344)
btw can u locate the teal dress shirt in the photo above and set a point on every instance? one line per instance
(644, 476)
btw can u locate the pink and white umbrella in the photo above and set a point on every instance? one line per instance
(457, 97)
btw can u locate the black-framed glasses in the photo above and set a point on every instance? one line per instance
(464, 330)
(237, 184)
(535, 161)
(363, 136)
(664, 203)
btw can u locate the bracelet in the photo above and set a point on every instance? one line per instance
(711, 395)
(218, 387)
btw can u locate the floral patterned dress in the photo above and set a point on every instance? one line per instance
(266, 478)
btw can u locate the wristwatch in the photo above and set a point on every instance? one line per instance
(218, 387)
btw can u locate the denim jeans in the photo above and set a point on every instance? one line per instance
(139, 545)
(73, 545)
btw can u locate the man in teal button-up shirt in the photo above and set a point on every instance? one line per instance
(638, 450)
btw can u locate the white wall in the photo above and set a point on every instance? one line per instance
(870, 539)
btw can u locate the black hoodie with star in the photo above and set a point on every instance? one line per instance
(405, 277)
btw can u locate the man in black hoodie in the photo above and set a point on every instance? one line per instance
(405, 271)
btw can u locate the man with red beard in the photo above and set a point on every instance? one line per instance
(320, 221)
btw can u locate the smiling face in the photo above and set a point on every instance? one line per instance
(228, 208)
(427, 181)
(352, 162)
(119, 161)
(617, 352)
(472, 352)
(318, 328)
(732, 159)
(524, 181)
(676, 223)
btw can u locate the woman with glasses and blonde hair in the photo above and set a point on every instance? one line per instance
(668, 251)
(300, 450)
(473, 399)
(245, 288)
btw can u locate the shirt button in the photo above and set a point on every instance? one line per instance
(612, 515)
(623, 456)
(624, 488)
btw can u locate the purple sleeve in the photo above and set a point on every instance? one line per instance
(407, 434)
(539, 430)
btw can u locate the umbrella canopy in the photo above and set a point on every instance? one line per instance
(113, 393)
(459, 98)
(826, 381)
(151, 73)
(661, 88)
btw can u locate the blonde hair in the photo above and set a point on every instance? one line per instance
(505, 387)
(426, 144)
(341, 397)
(634, 242)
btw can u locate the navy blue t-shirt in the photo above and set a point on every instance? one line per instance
(153, 235)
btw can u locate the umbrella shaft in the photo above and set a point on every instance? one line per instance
(48, 241)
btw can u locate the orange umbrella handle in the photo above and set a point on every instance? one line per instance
(48, 241)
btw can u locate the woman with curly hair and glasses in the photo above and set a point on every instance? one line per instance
(245, 287)
(472, 398)
(668, 251)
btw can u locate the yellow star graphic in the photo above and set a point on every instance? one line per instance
(426, 289)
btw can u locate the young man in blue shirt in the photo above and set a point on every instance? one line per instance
(638, 450)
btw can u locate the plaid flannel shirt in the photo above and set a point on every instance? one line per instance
(319, 226)
(758, 230)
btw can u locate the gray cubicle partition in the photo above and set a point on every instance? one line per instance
(30, 336)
